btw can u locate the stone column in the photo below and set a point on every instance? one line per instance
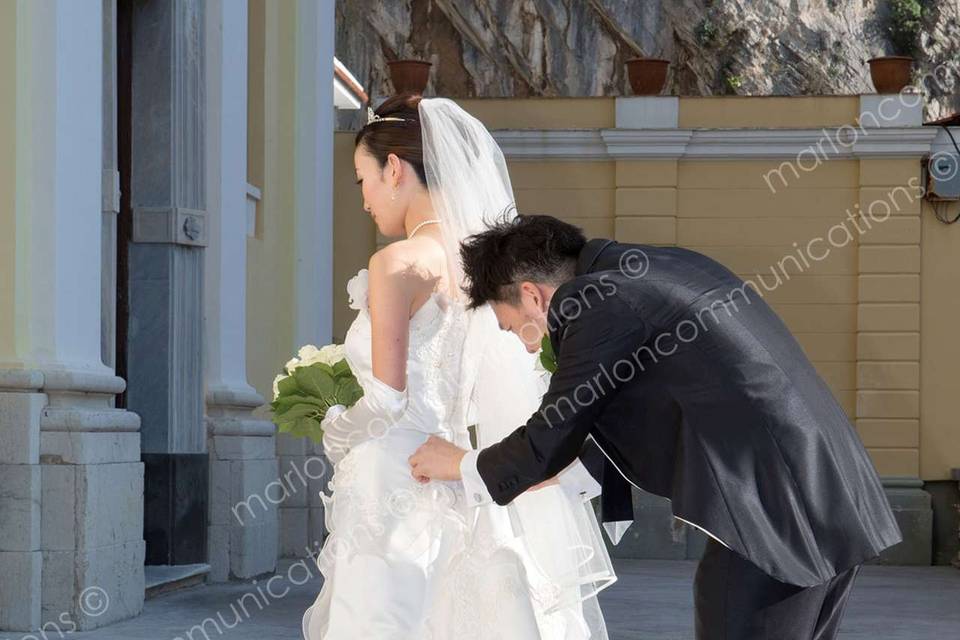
(304, 472)
(166, 259)
(243, 531)
(314, 171)
(109, 189)
(21, 400)
(68, 459)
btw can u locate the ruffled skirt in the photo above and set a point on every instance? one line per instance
(404, 560)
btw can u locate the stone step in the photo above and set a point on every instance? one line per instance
(165, 578)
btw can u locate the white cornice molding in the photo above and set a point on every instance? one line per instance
(646, 143)
(907, 141)
(754, 143)
(552, 144)
(623, 144)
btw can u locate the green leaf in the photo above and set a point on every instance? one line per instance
(316, 380)
(303, 428)
(341, 369)
(283, 403)
(354, 395)
(311, 429)
(296, 411)
(348, 391)
(287, 386)
(322, 366)
(547, 358)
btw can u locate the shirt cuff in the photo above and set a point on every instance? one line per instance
(577, 481)
(473, 485)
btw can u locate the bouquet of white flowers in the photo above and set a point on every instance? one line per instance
(312, 382)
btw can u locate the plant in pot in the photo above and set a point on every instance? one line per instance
(890, 74)
(647, 76)
(409, 76)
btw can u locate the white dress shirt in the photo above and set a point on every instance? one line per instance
(575, 479)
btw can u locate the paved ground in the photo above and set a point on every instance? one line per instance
(651, 601)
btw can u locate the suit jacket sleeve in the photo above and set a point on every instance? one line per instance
(595, 348)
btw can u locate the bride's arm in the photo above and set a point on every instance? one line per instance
(392, 289)
(394, 284)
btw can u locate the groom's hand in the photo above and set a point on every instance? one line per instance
(436, 459)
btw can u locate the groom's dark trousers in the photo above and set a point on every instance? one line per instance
(695, 390)
(734, 599)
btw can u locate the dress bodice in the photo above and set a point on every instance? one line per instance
(434, 369)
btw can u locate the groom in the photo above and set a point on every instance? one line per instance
(694, 390)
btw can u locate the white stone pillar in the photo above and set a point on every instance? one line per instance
(21, 400)
(109, 189)
(68, 457)
(314, 172)
(304, 473)
(243, 460)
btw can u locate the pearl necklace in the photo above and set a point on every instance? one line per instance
(417, 228)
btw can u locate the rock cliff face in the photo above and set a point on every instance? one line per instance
(502, 48)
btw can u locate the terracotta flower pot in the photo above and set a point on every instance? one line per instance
(409, 75)
(890, 74)
(647, 75)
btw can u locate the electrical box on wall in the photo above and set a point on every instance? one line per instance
(942, 177)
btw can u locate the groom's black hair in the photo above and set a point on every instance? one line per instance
(531, 248)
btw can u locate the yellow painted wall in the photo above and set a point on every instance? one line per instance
(877, 316)
(271, 136)
(939, 345)
(580, 193)
(763, 112)
(354, 234)
(888, 338)
(726, 210)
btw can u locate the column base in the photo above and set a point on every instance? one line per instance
(71, 461)
(92, 588)
(245, 490)
(913, 510)
(20, 596)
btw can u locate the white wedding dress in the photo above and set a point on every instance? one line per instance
(405, 560)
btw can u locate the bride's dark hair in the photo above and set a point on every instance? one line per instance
(403, 139)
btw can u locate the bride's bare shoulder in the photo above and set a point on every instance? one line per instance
(408, 262)
(396, 256)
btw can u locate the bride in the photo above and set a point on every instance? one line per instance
(410, 560)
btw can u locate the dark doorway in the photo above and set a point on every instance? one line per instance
(175, 484)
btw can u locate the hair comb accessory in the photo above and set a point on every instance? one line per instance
(373, 117)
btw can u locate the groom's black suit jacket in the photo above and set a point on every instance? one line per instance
(696, 391)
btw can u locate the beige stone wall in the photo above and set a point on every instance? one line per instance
(774, 112)
(939, 345)
(354, 234)
(888, 338)
(270, 152)
(877, 316)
